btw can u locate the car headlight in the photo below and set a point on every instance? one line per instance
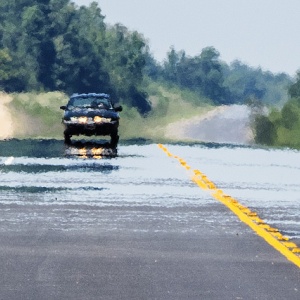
(82, 120)
(97, 151)
(98, 119)
(74, 119)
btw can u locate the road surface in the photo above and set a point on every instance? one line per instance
(225, 124)
(133, 225)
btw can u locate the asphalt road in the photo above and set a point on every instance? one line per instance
(132, 225)
(224, 124)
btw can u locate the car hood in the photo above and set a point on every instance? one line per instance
(88, 112)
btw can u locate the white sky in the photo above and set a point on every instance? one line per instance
(261, 33)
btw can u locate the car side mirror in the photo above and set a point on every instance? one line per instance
(117, 107)
(63, 107)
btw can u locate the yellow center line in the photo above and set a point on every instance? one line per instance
(270, 234)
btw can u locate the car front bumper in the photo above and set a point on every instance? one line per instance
(90, 128)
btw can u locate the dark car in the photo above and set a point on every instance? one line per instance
(91, 114)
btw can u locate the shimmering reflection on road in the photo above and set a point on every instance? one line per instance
(265, 180)
(137, 188)
(90, 150)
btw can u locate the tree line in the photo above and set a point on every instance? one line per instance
(48, 45)
(281, 127)
(208, 76)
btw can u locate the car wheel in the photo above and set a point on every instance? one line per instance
(67, 138)
(114, 140)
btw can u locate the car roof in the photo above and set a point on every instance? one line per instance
(95, 95)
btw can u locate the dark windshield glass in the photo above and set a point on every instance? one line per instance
(89, 102)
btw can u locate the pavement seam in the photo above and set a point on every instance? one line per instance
(270, 234)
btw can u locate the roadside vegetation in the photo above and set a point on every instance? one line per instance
(37, 115)
(281, 127)
(51, 49)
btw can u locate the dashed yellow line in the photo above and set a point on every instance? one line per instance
(270, 234)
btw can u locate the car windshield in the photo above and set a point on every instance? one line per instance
(89, 102)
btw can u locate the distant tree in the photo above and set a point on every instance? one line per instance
(152, 68)
(202, 73)
(290, 114)
(189, 73)
(171, 65)
(281, 127)
(5, 60)
(294, 89)
(244, 82)
(80, 51)
(265, 131)
(125, 62)
(212, 79)
(55, 45)
(37, 44)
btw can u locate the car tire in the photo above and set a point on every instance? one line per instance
(114, 139)
(67, 138)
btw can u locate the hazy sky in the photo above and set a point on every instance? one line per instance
(261, 33)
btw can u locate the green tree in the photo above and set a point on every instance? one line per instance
(265, 131)
(125, 62)
(37, 44)
(5, 69)
(80, 52)
(152, 68)
(171, 65)
(202, 73)
(290, 114)
(213, 80)
(294, 89)
(244, 82)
